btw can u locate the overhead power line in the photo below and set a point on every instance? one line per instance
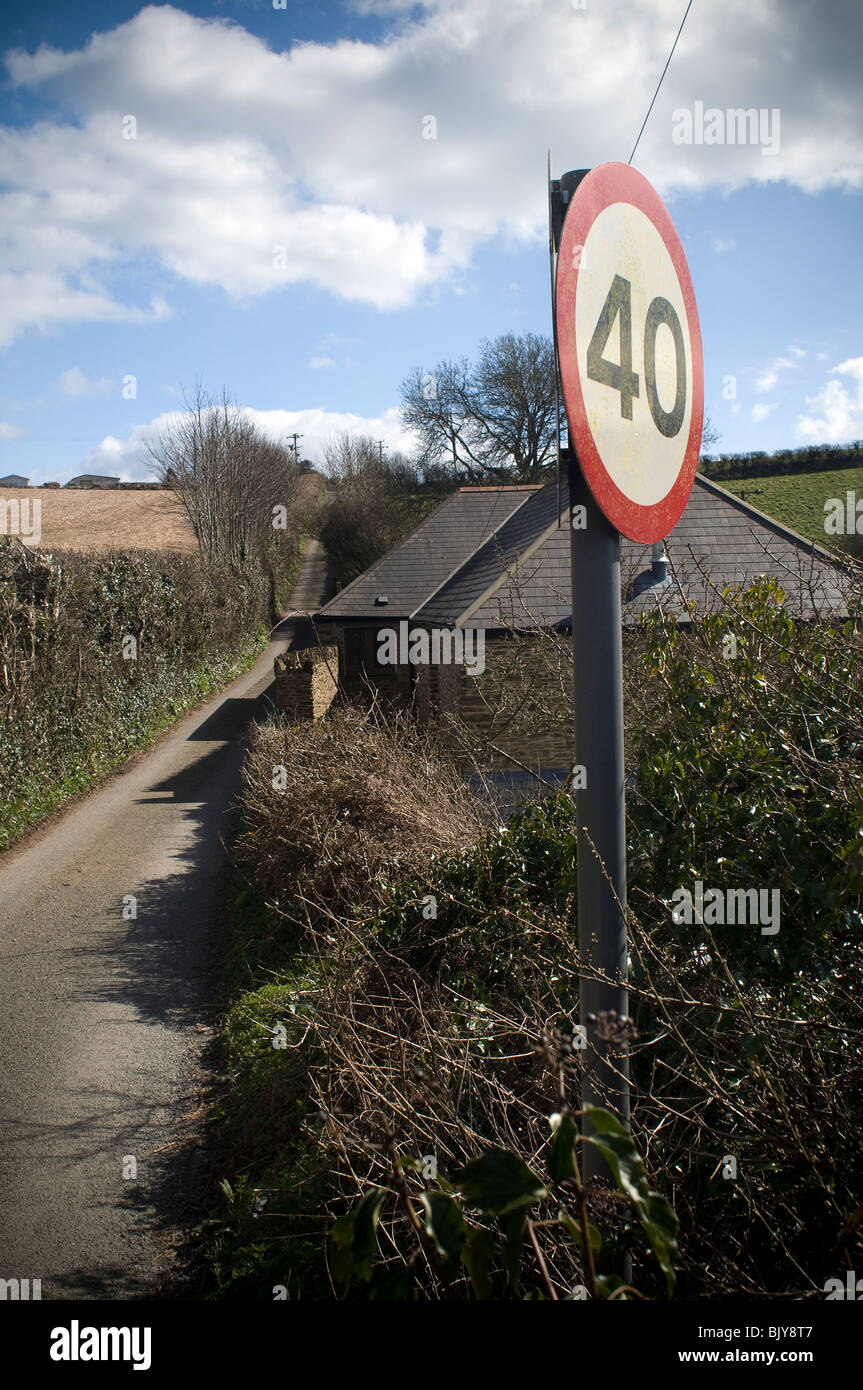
(659, 83)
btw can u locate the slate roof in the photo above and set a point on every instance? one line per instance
(437, 549)
(719, 540)
(497, 558)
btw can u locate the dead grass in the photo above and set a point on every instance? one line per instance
(360, 800)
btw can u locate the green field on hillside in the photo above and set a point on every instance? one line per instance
(797, 500)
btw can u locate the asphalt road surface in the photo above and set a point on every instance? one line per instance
(103, 1018)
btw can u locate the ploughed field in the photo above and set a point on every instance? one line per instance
(101, 519)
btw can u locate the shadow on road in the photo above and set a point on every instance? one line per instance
(161, 968)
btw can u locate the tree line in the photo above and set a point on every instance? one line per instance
(812, 458)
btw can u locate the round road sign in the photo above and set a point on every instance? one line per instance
(630, 351)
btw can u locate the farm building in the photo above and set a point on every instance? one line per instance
(496, 561)
(93, 480)
(14, 480)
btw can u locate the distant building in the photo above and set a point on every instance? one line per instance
(14, 480)
(93, 480)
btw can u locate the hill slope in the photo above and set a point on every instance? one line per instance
(797, 500)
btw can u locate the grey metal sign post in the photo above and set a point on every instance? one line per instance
(600, 803)
(628, 348)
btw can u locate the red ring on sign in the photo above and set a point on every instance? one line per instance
(602, 187)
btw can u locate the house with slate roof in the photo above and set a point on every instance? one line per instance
(496, 561)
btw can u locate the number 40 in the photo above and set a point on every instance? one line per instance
(620, 376)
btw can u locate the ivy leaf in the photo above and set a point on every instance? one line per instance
(513, 1225)
(575, 1231)
(446, 1226)
(353, 1238)
(561, 1159)
(654, 1211)
(499, 1182)
(478, 1258)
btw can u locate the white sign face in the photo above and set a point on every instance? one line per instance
(630, 352)
(641, 459)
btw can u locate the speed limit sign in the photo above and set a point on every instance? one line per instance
(630, 351)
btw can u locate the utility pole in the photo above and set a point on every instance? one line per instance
(381, 447)
(295, 437)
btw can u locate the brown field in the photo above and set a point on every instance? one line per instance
(97, 519)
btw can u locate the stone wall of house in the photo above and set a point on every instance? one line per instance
(393, 684)
(306, 682)
(520, 705)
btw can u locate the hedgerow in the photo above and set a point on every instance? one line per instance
(401, 1024)
(98, 653)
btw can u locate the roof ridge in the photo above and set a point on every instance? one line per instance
(501, 577)
(466, 561)
(366, 573)
(519, 559)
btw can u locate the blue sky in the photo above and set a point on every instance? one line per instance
(301, 131)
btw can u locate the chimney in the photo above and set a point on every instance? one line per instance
(659, 562)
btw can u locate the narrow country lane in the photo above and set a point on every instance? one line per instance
(102, 1018)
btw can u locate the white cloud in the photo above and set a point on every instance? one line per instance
(319, 151)
(9, 431)
(768, 380)
(762, 410)
(837, 410)
(74, 384)
(127, 457)
(321, 363)
(317, 425)
(47, 299)
(722, 244)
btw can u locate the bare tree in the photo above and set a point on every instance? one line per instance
(351, 459)
(709, 435)
(236, 486)
(356, 460)
(370, 508)
(493, 420)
